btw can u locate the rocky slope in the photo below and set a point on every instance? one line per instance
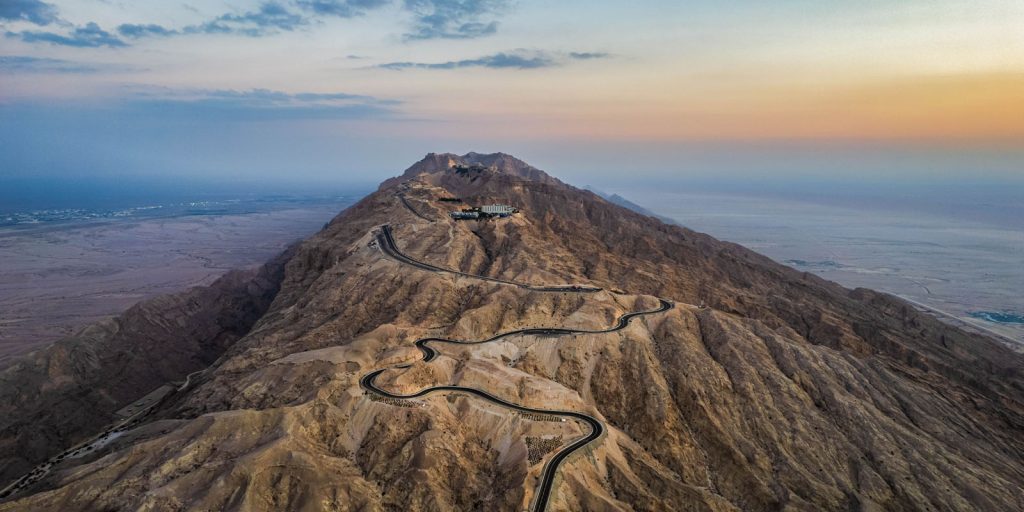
(786, 393)
(57, 396)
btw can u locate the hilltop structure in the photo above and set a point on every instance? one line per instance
(485, 212)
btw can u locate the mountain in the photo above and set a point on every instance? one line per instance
(574, 356)
(629, 205)
(61, 395)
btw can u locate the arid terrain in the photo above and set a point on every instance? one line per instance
(57, 279)
(739, 383)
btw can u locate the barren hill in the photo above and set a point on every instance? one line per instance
(574, 356)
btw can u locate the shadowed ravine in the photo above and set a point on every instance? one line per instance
(387, 245)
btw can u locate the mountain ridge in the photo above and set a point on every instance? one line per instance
(439, 163)
(785, 392)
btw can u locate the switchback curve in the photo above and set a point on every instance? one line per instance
(387, 244)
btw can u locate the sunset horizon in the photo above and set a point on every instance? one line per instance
(320, 79)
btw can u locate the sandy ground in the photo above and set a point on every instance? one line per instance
(57, 280)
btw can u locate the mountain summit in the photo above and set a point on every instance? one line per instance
(441, 163)
(574, 355)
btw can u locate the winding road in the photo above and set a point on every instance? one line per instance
(90, 445)
(387, 245)
(429, 354)
(413, 210)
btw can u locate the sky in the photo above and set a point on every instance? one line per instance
(331, 91)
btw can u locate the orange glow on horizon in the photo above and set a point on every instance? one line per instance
(987, 108)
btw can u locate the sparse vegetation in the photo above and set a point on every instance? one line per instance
(539, 417)
(397, 402)
(538, 447)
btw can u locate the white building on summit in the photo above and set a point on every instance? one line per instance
(484, 212)
(498, 209)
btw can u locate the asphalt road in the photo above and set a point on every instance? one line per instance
(89, 445)
(387, 244)
(85, 447)
(413, 210)
(548, 477)
(429, 353)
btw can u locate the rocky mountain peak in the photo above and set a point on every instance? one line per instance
(500, 163)
(684, 372)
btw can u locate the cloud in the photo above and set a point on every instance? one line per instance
(25, 64)
(33, 11)
(453, 19)
(432, 19)
(257, 104)
(341, 8)
(588, 55)
(329, 96)
(517, 59)
(272, 17)
(136, 31)
(89, 36)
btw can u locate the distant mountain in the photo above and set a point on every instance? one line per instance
(626, 203)
(613, 388)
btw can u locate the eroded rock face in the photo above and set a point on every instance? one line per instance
(787, 393)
